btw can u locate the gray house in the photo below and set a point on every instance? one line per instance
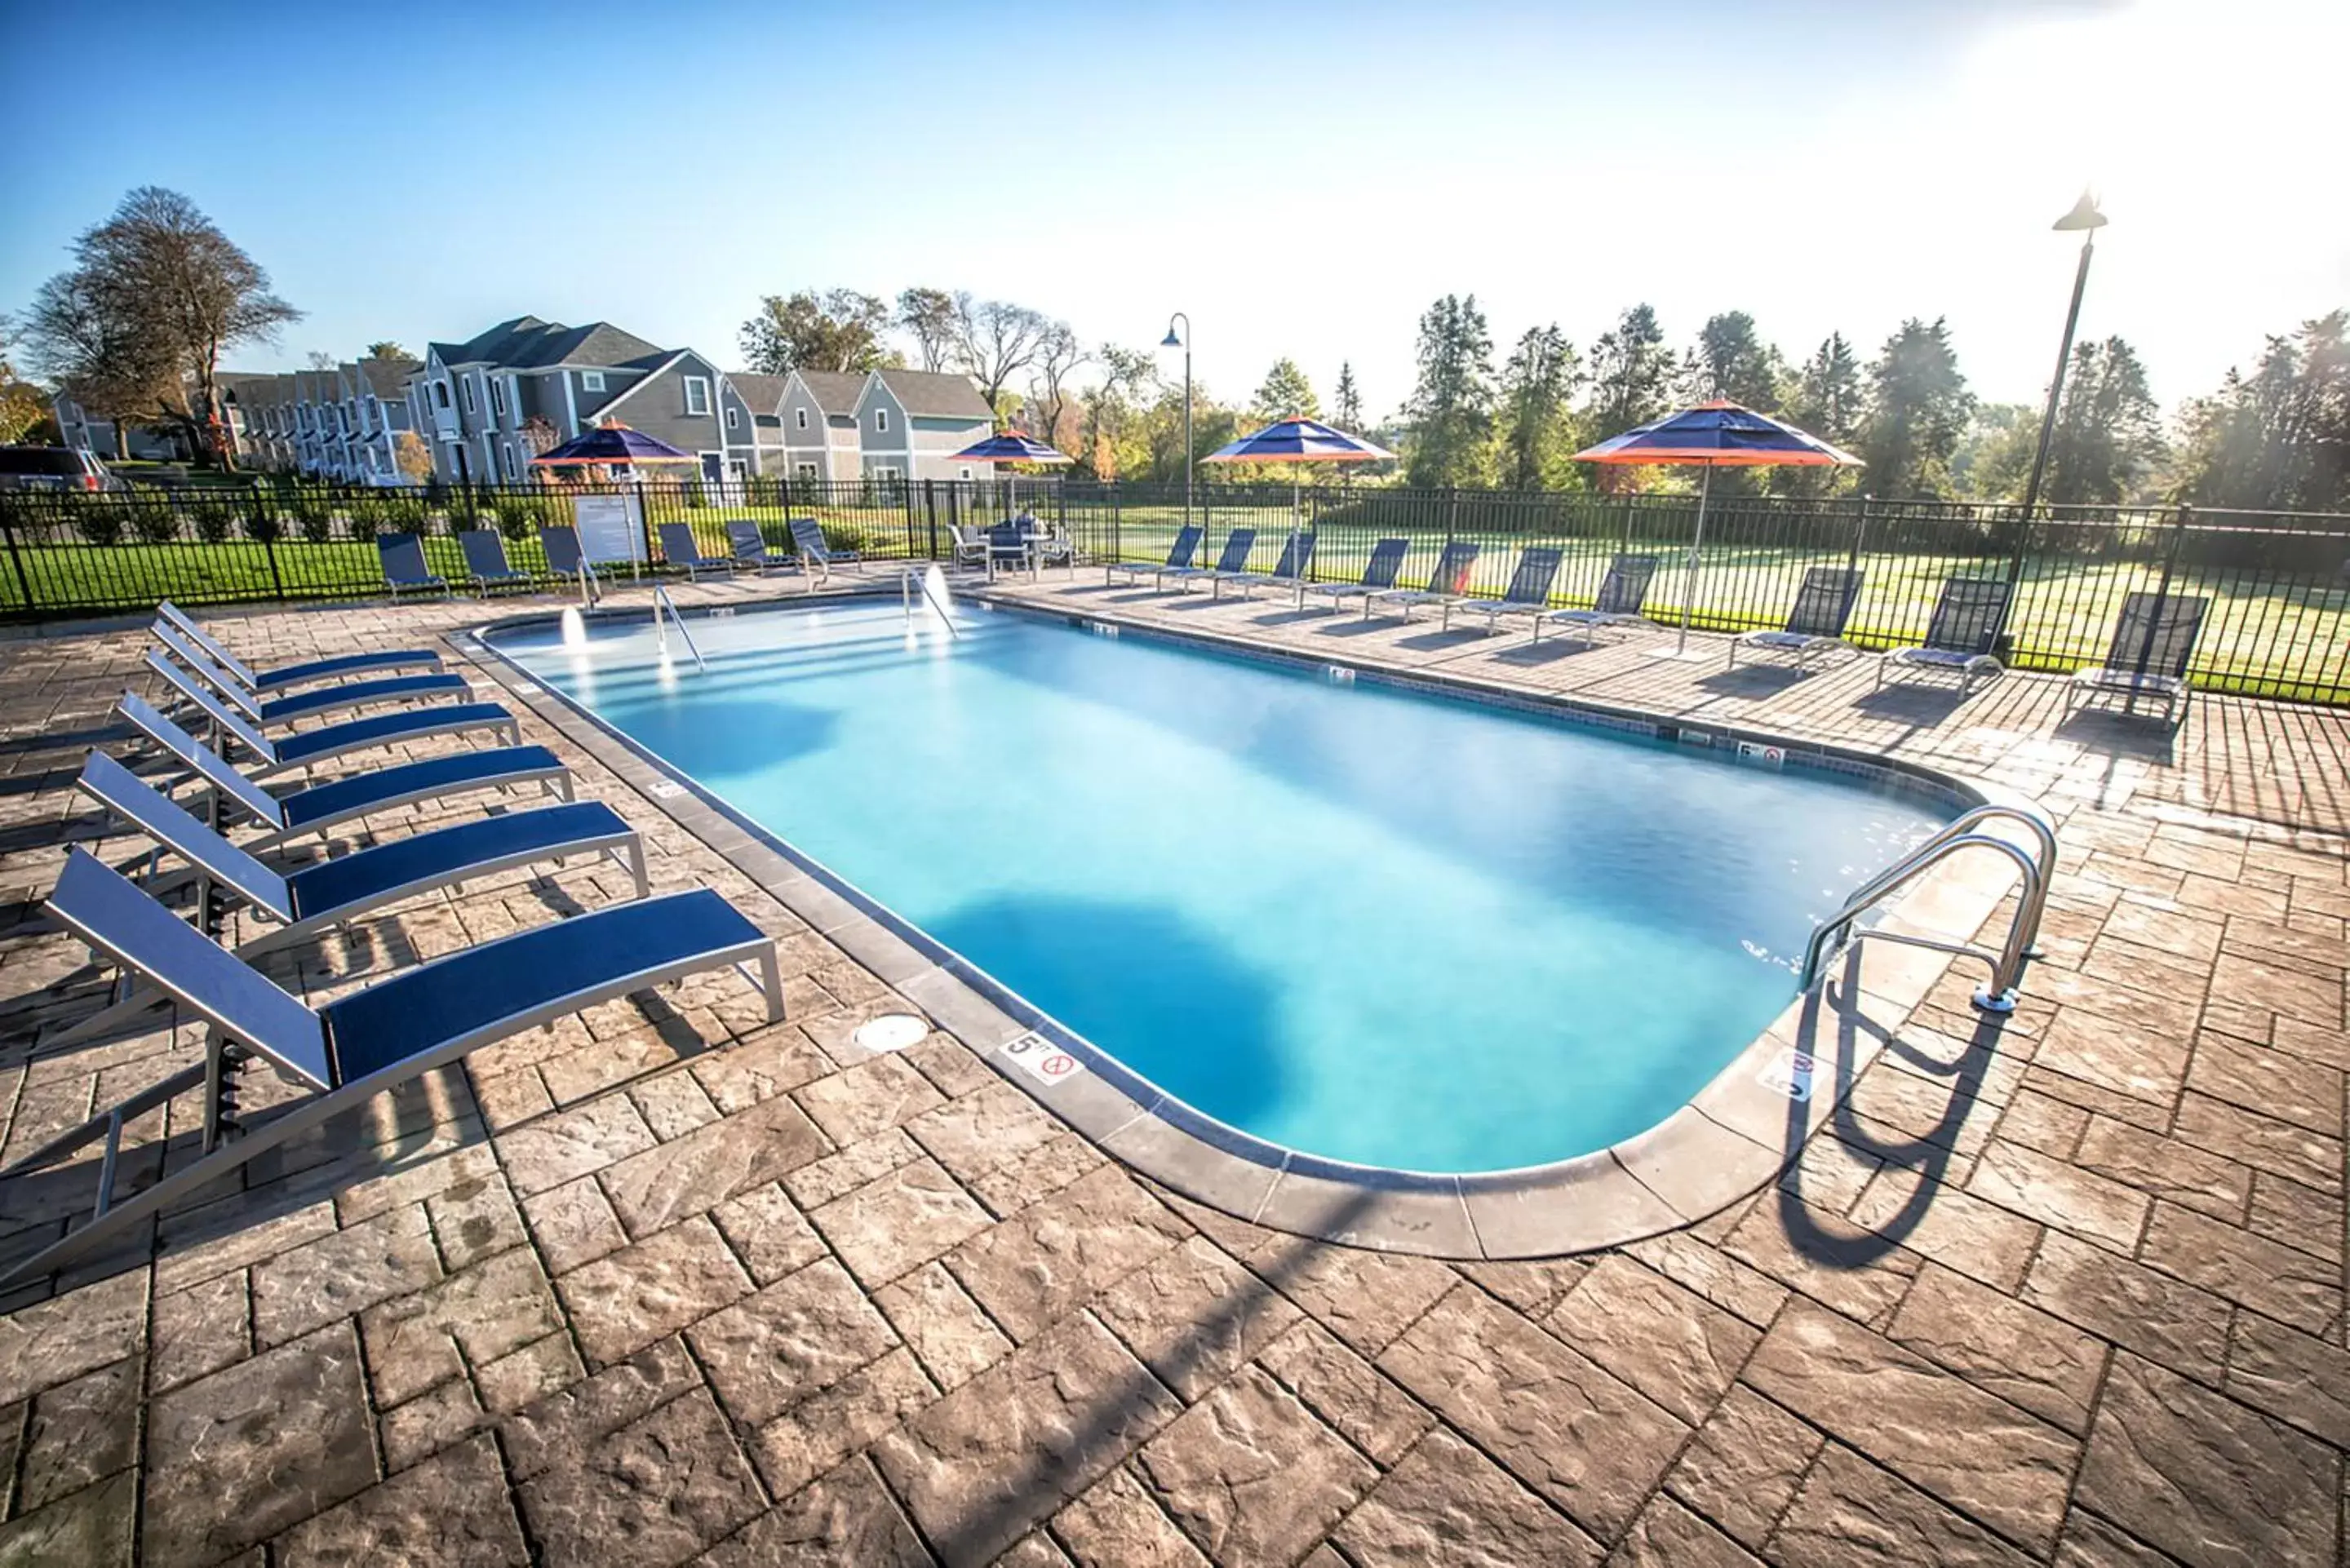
(763, 396)
(688, 402)
(910, 423)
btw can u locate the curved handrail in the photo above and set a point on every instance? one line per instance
(662, 601)
(2023, 930)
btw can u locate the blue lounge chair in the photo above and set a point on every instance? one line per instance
(2153, 645)
(1379, 577)
(1815, 625)
(361, 1044)
(681, 549)
(1528, 593)
(321, 808)
(752, 551)
(1622, 592)
(1238, 545)
(486, 566)
(807, 538)
(404, 570)
(1289, 572)
(307, 673)
(313, 701)
(1450, 581)
(345, 886)
(1179, 558)
(1959, 637)
(310, 747)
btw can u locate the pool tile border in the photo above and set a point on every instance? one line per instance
(1734, 1136)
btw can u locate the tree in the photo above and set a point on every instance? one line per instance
(387, 349)
(1451, 406)
(838, 330)
(995, 340)
(1347, 402)
(1730, 361)
(1825, 401)
(1058, 353)
(2109, 432)
(1917, 409)
(2280, 438)
(318, 359)
(156, 294)
(412, 457)
(1286, 394)
(1537, 422)
(927, 314)
(1631, 374)
(1115, 441)
(1994, 456)
(22, 406)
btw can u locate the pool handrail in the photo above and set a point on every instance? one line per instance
(2023, 929)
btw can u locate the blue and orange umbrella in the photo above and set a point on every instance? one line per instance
(612, 444)
(1298, 440)
(1718, 434)
(1011, 446)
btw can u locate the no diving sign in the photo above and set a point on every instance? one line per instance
(1042, 1060)
(1789, 1074)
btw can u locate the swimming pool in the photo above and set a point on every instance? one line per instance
(1380, 927)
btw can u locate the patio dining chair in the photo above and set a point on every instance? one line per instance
(1288, 572)
(307, 748)
(486, 566)
(442, 685)
(1379, 577)
(1528, 593)
(404, 571)
(1814, 626)
(1450, 581)
(1622, 592)
(361, 1044)
(2153, 643)
(1960, 635)
(307, 673)
(1179, 558)
(967, 547)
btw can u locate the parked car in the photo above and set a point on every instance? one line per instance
(54, 467)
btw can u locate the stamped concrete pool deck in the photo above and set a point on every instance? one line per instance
(667, 1283)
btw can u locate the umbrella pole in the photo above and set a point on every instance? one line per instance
(1697, 541)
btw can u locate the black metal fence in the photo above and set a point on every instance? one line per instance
(2279, 584)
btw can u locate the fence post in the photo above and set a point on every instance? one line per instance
(930, 515)
(263, 525)
(16, 561)
(1860, 532)
(1117, 507)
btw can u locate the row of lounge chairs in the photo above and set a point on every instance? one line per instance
(394, 1029)
(2152, 647)
(487, 568)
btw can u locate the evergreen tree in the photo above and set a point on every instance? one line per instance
(1452, 408)
(1995, 454)
(2108, 431)
(1917, 409)
(1825, 401)
(1631, 375)
(1730, 361)
(2279, 438)
(1347, 402)
(1286, 394)
(1537, 423)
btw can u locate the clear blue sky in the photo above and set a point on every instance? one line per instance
(1300, 185)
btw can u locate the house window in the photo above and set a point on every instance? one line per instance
(498, 396)
(881, 418)
(441, 393)
(963, 473)
(802, 471)
(592, 380)
(800, 417)
(697, 394)
(465, 391)
(505, 462)
(732, 419)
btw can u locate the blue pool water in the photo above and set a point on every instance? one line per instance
(1381, 928)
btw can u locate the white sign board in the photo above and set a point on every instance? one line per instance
(611, 528)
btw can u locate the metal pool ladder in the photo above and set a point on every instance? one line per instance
(2023, 929)
(661, 601)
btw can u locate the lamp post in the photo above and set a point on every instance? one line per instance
(2085, 220)
(1184, 343)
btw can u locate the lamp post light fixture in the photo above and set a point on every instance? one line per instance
(2084, 219)
(1183, 342)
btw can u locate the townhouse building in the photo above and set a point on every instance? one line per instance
(880, 425)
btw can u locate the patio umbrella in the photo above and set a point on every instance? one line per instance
(1298, 440)
(613, 445)
(1718, 434)
(1011, 447)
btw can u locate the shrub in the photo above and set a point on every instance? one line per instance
(404, 512)
(213, 516)
(264, 518)
(100, 524)
(313, 507)
(154, 522)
